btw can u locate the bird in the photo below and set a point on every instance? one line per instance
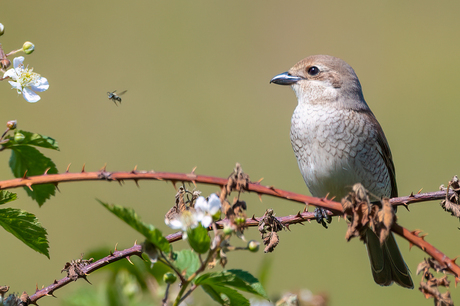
(338, 142)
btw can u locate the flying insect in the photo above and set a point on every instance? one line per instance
(115, 97)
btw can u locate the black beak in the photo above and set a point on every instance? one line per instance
(285, 79)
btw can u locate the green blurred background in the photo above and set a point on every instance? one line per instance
(197, 75)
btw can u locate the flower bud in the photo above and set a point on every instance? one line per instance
(12, 124)
(228, 230)
(253, 246)
(19, 137)
(2, 29)
(169, 278)
(28, 47)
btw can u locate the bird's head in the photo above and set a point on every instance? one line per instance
(323, 79)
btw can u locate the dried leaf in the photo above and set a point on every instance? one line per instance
(268, 226)
(238, 180)
(385, 218)
(270, 240)
(451, 203)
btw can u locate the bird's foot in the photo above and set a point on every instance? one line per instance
(322, 216)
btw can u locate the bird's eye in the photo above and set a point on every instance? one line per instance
(313, 70)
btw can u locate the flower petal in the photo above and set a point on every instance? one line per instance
(40, 85)
(201, 204)
(214, 204)
(206, 221)
(30, 96)
(11, 73)
(175, 224)
(18, 61)
(16, 85)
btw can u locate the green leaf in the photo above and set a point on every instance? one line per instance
(6, 196)
(249, 279)
(32, 139)
(238, 279)
(187, 261)
(199, 239)
(26, 228)
(234, 298)
(213, 294)
(152, 234)
(27, 158)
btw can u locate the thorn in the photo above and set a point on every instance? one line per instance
(254, 218)
(194, 183)
(423, 236)
(260, 197)
(411, 195)
(30, 187)
(55, 282)
(325, 198)
(25, 175)
(83, 169)
(111, 253)
(120, 182)
(134, 170)
(135, 242)
(56, 186)
(129, 259)
(309, 221)
(410, 245)
(332, 199)
(420, 190)
(260, 180)
(455, 258)
(116, 246)
(137, 184)
(287, 226)
(305, 209)
(46, 171)
(174, 184)
(36, 287)
(103, 168)
(416, 232)
(193, 170)
(68, 168)
(84, 277)
(298, 215)
(406, 206)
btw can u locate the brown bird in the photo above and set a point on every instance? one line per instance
(338, 142)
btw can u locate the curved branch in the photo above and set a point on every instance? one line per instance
(136, 176)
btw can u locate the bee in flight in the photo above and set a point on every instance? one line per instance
(114, 97)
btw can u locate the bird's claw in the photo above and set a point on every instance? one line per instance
(322, 216)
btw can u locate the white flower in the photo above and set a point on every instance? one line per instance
(23, 78)
(186, 220)
(206, 209)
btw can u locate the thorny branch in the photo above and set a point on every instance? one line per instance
(334, 208)
(256, 187)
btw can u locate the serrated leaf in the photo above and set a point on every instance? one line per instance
(187, 261)
(234, 298)
(252, 281)
(128, 215)
(26, 227)
(199, 239)
(238, 279)
(6, 196)
(33, 139)
(213, 294)
(27, 158)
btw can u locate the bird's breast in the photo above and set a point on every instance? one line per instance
(336, 149)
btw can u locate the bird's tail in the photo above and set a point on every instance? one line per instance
(387, 263)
